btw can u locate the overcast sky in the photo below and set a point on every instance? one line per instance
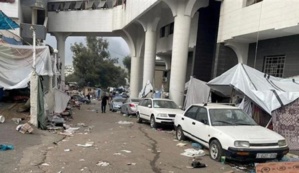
(118, 48)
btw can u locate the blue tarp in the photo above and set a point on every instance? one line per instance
(11, 41)
(7, 23)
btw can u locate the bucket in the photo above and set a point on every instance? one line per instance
(2, 119)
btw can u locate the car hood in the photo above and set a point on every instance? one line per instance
(251, 133)
(169, 111)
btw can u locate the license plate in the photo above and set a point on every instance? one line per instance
(266, 155)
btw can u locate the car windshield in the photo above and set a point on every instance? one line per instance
(230, 117)
(165, 104)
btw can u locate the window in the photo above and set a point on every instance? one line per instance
(171, 28)
(162, 32)
(191, 113)
(251, 2)
(274, 65)
(202, 116)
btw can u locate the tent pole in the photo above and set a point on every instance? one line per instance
(269, 122)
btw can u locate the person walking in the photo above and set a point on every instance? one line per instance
(105, 99)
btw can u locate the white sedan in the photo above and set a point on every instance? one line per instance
(157, 111)
(228, 131)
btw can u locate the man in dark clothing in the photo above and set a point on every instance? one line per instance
(105, 99)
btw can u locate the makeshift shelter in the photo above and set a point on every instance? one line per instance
(197, 92)
(269, 92)
(7, 23)
(16, 65)
(277, 96)
(146, 89)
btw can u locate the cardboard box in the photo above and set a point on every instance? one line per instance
(278, 167)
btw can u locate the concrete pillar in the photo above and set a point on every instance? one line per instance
(61, 54)
(182, 24)
(241, 50)
(134, 77)
(149, 56)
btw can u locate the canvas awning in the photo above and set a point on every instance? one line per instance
(16, 64)
(7, 23)
(269, 92)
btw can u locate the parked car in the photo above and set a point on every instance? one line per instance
(157, 111)
(228, 131)
(130, 106)
(80, 99)
(116, 103)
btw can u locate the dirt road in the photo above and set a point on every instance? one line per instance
(132, 148)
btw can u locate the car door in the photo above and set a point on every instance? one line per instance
(187, 119)
(141, 107)
(148, 109)
(201, 126)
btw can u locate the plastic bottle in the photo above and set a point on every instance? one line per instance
(4, 147)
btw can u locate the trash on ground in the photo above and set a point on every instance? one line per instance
(2, 119)
(190, 152)
(67, 150)
(117, 154)
(181, 144)
(125, 122)
(4, 147)
(196, 145)
(126, 151)
(17, 120)
(24, 128)
(131, 164)
(197, 164)
(87, 144)
(101, 163)
(71, 130)
(81, 160)
(45, 164)
(81, 124)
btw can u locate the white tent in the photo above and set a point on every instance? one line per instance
(16, 64)
(197, 92)
(269, 92)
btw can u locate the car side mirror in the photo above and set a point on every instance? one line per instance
(149, 106)
(204, 122)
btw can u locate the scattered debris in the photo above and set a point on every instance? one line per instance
(67, 150)
(126, 151)
(81, 160)
(24, 128)
(2, 119)
(197, 164)
(181, 144)
(190, 152)
(125, 122)
(196, 145)
(4, 147)
(131, 164)
(101, 163)
(45, 164)
(17, 120)
(81, 124)
(87, 144)
(117, 154)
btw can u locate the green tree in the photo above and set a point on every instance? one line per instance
(93, 65)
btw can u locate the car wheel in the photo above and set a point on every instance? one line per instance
(179, 134)
(153, 122)
(139, 120)
(215, 150)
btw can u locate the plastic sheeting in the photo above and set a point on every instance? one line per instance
(57, 101)
(7, 23)
(146, 89)
(16, 65)
(197, 92)
(269, 92)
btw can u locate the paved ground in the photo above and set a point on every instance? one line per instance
(133, 148)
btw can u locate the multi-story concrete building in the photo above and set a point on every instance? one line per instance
(202, 38)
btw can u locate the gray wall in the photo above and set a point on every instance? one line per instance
(288, 46)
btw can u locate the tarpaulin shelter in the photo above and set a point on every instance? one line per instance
(7, 23)
(268, 92)
(197, 92)
(16, 65)
(148, 87)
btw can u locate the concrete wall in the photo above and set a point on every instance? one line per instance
(237, 19)
(287, 46)
(11, 9)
